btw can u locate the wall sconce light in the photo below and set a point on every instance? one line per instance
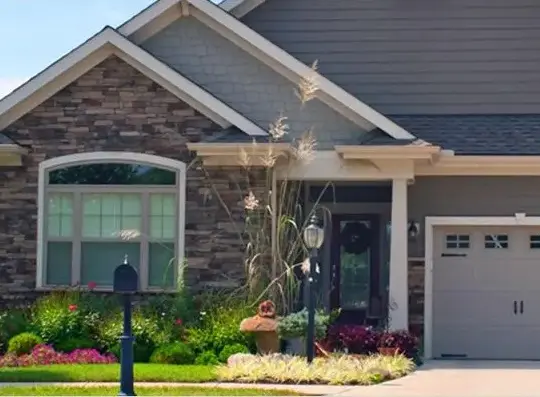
(413, 229)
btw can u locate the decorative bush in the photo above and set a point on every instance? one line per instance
(295, 325)
(357, 339)
(12, 323)
(335, 370)
(219, 325)
(59, 316)
(207, 358)
(46, 355)
(174, 353)
(403, 340)
(23, 343)
(145, 330)
(68, 345)
(230, 350)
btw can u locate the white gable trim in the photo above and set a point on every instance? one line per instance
(275, 57)
(95, 50)
(239, 8)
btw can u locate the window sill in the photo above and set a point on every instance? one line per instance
(50, 288)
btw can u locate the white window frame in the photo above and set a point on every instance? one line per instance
(100, 158)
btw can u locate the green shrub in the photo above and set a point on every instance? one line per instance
(207, 358)
(219, 325)
(295, 324)
(173, 353)
(61, 316)
(12, 323)
(230, 350)
(145, 330)
(23, 343)
(68, 345)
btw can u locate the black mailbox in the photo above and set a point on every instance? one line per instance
(126, 279)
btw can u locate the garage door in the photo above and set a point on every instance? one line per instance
(486, 292)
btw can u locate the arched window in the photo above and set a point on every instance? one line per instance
(95, 208)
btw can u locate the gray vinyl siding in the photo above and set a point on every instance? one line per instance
(470, 196)
(416, 56)
(243, 82)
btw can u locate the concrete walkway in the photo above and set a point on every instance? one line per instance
(460, 379)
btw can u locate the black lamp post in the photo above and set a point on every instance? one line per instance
(126, 282)
(313, 238)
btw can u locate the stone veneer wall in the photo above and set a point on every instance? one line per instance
(115, 108)
(416, 295)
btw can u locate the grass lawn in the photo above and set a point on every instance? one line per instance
(141, 391)
(108, 373)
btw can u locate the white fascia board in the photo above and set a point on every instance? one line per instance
(231, 28)
(98, 48)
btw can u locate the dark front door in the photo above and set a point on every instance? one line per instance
(355, 266)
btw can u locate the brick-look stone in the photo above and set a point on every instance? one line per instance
(115, 108)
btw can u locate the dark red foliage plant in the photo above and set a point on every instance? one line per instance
(355, 339)
(404, 341)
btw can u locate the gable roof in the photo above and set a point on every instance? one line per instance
(89, 54)
(278, 59)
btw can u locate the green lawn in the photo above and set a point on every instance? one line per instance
(108, 373)
(141, 391)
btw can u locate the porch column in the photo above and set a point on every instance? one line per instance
(398, 286)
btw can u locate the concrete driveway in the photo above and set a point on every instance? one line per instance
(460, 379)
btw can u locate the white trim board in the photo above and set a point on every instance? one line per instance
(239, 8)
(275, 57)
(431, 223)
(106, 43)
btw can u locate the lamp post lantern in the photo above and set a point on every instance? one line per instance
(313, 238)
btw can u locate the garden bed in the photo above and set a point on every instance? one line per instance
(334, 370)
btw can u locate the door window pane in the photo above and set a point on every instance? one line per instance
(355, 264)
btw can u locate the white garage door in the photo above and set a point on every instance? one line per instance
(486, 292)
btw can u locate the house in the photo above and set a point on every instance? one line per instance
(427, 117)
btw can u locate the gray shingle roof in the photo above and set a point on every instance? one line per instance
(477, 134)
(464, 134)
(5, 140)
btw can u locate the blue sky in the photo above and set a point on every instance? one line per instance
(35, 33)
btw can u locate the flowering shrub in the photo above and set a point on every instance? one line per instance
(406, 342)
(46, 355)
(357, 339)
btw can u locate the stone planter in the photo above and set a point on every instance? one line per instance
(267, 342)
(296, 346)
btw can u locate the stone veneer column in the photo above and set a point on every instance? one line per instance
(398, 287)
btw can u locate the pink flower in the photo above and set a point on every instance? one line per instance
(178, 321)
(92, 285)
(72, 308)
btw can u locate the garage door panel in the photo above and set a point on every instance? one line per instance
(478, 273)
(497, 342)
(473, 308)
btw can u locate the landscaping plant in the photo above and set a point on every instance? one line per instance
(230, 350)
(207, 358)
(23, 343)
(356, 339)
(335, 370)
(46, 355)
(405, 342)
(12, 322)
(173, 353)
(295, 324)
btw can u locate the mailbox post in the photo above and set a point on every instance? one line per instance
(126, 282)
